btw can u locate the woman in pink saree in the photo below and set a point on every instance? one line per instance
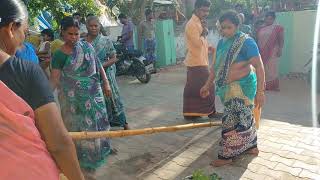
(21, 143)
(35, 144)
(270, 40)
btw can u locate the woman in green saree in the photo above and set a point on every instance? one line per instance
(240, 83)
(81, 80)
(107, 56)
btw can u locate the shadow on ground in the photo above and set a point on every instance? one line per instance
(229, 172)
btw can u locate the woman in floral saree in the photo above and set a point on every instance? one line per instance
(81, 80)
(239, 75)
(107, 56)
(270, 40)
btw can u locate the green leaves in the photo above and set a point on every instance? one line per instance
(200, 175)
(60, 8)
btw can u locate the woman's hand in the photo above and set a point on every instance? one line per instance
(260, 99)
(205, 91)
(107, 90)
(105, 83)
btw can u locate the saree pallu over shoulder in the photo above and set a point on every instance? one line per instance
(238, 125)
(22, 150)
(82, 104)
(226, 56)
(268, 37)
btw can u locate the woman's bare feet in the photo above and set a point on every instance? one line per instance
(253, 151)
(220, 162)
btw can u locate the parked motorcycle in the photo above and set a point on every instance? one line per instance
(132, 63)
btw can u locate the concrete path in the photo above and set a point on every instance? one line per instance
(289, 145)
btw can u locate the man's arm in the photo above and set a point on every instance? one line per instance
(127, 36)
(141, 32)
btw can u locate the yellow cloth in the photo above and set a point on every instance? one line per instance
(63, 177)
(197, 45)
(56, 44)
(34, 40)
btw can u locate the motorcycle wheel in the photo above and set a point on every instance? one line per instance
(142, 75)
(144, 78)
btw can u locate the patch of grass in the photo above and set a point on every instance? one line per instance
(200, 175)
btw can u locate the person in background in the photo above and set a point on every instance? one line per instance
(239, 76)
(257, 25)
(27, 52)
(103, 30)
(34, 142)
(270, 40)
(47, 36)
(239, 8)
(83, 29)
(44, 50)
(33, 38)
(147, 37)
(244, 27)
(90, 14)
(107, 56)
(197, 63)
(57, 43)
(127, 32)
(81, 80)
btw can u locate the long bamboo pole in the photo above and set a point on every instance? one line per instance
(124, 133)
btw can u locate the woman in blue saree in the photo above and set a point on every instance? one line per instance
(107, 56)
(240, 83)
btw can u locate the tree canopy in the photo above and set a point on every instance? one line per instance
(133, 8)
(61, 8)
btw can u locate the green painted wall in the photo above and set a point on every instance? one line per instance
(304, 24)
(299, 32)
(286, 20)
(135, 37)
(166, 46)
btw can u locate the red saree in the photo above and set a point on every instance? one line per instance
(269, 38)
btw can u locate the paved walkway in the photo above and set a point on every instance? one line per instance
(289, 146)
(286, 152)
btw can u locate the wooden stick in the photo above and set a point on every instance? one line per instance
(123, 133)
